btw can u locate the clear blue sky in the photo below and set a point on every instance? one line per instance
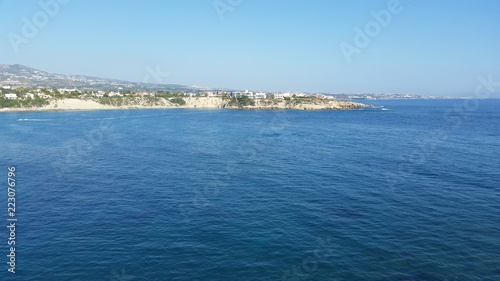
(431, 47)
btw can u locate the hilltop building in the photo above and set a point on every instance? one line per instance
(11, 96)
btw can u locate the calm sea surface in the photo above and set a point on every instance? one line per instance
(409, 191)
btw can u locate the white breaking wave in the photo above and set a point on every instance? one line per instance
(34, 120)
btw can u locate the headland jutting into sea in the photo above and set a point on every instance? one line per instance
(21, 99)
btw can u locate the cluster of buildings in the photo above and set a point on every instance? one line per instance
(12, 96)
(47, 93)
(252, 95)
(276, 95)
(381, 96)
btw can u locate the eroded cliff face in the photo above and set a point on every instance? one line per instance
(312, 104)
(192, 102)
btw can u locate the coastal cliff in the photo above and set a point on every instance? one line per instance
(188, 102)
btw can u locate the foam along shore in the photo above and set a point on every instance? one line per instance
(73, 104)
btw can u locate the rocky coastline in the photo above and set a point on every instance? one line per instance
(74, 104)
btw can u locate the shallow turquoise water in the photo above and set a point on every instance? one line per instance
(408, 193)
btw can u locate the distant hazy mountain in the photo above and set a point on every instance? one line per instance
(23, 76)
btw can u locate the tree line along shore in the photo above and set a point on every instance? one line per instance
(22, 99)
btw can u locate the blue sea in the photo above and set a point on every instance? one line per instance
(408, 190)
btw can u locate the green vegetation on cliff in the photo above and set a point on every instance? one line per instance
(178, 100)
(241, 102)
(37, 102)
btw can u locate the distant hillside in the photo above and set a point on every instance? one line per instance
(23, 76)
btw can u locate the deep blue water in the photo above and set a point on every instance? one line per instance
(407, 193)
